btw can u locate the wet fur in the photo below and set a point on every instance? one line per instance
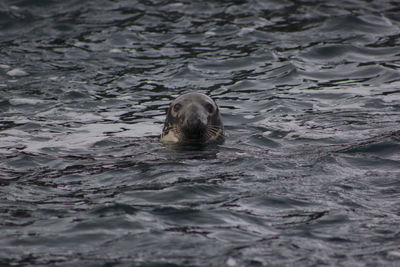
(193, 105)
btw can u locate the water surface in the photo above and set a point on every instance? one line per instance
(309, 95)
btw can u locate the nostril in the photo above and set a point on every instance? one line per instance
(195, 127)
(195, 123)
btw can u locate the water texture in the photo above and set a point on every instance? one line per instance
(309, 93)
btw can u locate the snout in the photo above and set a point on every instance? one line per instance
(195, 127)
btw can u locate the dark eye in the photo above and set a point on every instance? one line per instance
(210, 107)
(177, 107)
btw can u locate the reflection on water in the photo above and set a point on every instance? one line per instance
(309, 97)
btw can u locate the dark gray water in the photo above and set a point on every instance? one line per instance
(310, 96)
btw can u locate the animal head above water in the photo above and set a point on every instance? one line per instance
(193, 118)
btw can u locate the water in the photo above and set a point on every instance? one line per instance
(309, 95)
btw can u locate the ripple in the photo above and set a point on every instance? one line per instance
(17, 72)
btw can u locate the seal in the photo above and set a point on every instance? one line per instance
(193, 118)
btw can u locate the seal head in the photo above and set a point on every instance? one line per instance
(193, 118)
